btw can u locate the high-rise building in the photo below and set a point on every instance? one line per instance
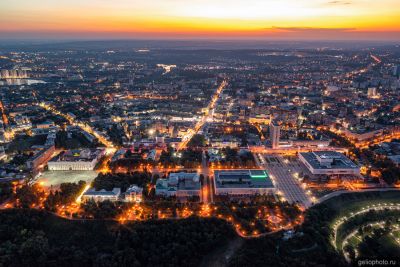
(13, 74)
(371, 92)
(396, 70)
(275, 132)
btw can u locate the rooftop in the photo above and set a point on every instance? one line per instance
(103, 192)
(243, 179)
(76, 155)
(328, 160)
(179, 181)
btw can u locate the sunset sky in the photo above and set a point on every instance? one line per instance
(269, 19)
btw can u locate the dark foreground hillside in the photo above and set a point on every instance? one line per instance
(35, 238)
(311, 245)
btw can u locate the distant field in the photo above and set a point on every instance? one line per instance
(55, 178)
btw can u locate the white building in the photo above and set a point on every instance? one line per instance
(76, 160)
(328, 163)
(45, 125)
(3, 154)
(180, 184)
(102, 195)
(372, 92)
(310, 143)
(275, 132)
(134, 194)
(225, 141)
(361, 135)
(242, 182)
(39, 159)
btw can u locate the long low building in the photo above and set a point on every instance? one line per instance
(102, 195)
(40, 158)
(243, 182)
(362, 135)
(328, 163)
(76, 160)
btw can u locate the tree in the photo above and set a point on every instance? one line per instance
(26, 196)
(6, 191)
(391, 175)
(67, 194)
(33, 250)
(197, 140)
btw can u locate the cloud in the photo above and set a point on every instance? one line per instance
(312, 29)
(337, 2)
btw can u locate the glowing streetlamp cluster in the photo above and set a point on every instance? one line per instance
(376, 207)
(272, 219)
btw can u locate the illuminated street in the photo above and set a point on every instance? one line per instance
(207, 115)
(83, 126)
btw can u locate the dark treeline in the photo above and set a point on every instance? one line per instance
(36, 238)
(6, 191)
(66, 194)
(120, 180)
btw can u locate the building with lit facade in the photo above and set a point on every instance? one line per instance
(134, 194)
(275, 133)
(242, 182)
(40, 158)
(3, 154)
(76, 160)
(361, 134)
(102, 195)
(13, 74)
(328, 163)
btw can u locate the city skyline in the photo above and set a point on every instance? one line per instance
(177, 19)
(200, 133)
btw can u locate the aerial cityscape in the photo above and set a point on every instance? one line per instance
(181, 137)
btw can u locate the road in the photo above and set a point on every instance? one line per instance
(292, 150)
(377, 59)
(207, 186)
(207, 115)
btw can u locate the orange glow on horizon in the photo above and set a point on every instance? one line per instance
(252, 18)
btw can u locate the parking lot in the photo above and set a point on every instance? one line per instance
(285, 173)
